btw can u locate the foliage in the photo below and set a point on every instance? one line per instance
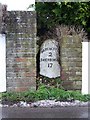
(42, 93)
(45, 92)
(11, 96)
(57, 13)
(56, 82)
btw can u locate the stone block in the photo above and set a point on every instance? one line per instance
(77, 85)
(78, 73)
(78, 64)
(68, 85)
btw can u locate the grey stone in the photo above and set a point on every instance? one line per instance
(1, 105)
(15, 105)
(49, 57)
(23, 104)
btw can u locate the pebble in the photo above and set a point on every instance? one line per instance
(5, 105)
(15, 105)
(23, 104)
(1, 105)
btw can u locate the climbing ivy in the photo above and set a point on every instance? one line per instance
(50, 14)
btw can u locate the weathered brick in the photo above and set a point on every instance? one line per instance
(21, 50)
(71, 60)
(20, 59)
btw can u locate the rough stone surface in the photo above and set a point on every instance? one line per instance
(21, 50)
(49, 59)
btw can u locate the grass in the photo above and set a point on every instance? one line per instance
(45, 93)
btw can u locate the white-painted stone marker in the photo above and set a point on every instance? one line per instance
(49, 57)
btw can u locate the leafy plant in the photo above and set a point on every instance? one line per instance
(56, 82)
(50, 14)
(45, 92)
(11, 96)
(42, 93)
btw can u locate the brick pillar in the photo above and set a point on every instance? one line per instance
(3, 15)
(71, 61)
(21, 50)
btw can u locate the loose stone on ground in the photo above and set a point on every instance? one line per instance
(48, 103)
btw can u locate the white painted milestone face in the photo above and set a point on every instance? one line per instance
(49, 65)
(13, 5)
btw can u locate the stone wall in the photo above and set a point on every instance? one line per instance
(70, 43)
(71, 61)
(21, 50)
(21, 53)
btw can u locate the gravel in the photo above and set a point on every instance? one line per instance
(47, 103)
(53, 103)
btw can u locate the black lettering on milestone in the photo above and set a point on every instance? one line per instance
(50, 54)
(54, 48)
(42, 51)
(46, 48)
(41, 59)
(50, 48)
(50, 65)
